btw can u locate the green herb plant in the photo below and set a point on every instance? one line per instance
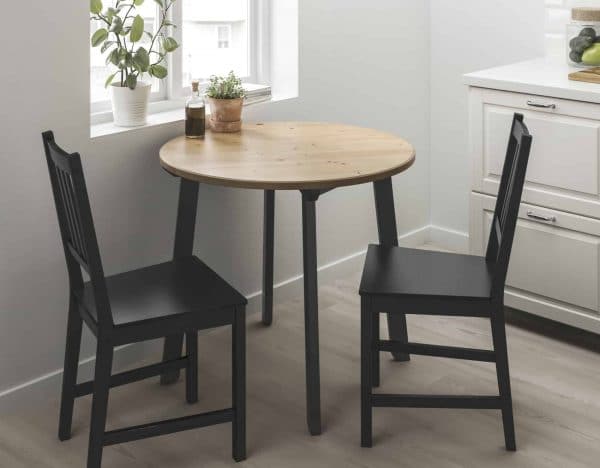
(122, 30)
(225, 87)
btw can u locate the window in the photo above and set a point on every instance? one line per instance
(215, 37)
(223, 36)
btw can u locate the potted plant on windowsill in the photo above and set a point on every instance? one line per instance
(226, 98)
(120, 36)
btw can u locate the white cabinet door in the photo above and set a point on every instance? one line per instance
(564, 169)
(555, 265)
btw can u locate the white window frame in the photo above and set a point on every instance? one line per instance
(171, 91)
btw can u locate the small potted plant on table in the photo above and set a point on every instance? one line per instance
(120, 35)
(226, 98)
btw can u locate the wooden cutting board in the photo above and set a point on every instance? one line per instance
(591, 75)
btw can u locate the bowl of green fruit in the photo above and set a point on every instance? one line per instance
(583, 35)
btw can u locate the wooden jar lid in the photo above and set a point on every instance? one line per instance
(586, 14)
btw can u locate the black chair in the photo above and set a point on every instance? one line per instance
(176, 297)
(423, 282)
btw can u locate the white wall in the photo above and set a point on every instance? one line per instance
(469, 35)
(360, 63)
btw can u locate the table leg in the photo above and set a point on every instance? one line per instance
(184, 247)
(311, 312)
(388, 235)
(268, 253)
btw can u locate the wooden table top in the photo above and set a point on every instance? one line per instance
(289, 156)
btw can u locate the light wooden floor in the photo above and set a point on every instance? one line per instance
(556, 390)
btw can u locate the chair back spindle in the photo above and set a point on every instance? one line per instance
(76, 224)
(506, 212)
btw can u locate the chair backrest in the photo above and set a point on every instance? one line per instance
(76, 224)
(507, 204)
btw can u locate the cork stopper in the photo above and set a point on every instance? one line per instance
(195, 86)
(586, 14)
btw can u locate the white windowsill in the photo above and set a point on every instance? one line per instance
(154, 118)
(160, 113)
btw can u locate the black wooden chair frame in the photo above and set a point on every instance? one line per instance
(82, 252)
(497, 257)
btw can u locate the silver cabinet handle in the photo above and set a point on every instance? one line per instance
(546, 219)
(541, 106)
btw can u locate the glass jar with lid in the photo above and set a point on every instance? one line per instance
(583, 38)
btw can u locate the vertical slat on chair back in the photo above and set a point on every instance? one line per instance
(76, 224)
(507, 204)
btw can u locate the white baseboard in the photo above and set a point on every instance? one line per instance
(47, 386)
(449, 239)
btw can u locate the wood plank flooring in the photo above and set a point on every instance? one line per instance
(556, 388)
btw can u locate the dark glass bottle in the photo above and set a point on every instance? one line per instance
(195, 114)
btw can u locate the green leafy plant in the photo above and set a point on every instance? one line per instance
(225, 87)
(122, 30)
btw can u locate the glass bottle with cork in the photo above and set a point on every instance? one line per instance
(195, 113)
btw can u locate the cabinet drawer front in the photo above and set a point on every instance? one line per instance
(555, 259)
(563, 172)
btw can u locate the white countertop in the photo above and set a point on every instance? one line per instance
(544, 77)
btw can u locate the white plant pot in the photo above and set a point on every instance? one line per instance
(130, 107)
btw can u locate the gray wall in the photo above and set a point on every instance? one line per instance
(361, 62)
(469, 35)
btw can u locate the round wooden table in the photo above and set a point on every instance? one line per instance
(311, 157)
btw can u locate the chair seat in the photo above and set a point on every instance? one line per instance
(397, 271)
(181, 286)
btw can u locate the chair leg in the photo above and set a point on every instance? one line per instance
(74, 326)
(171, 350)
(388, 235)
(191, 374)
(239, 385)
(499, 338)
(104, 357)
(366, 363)
(375, 353)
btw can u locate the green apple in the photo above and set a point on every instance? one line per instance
(591, 56)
